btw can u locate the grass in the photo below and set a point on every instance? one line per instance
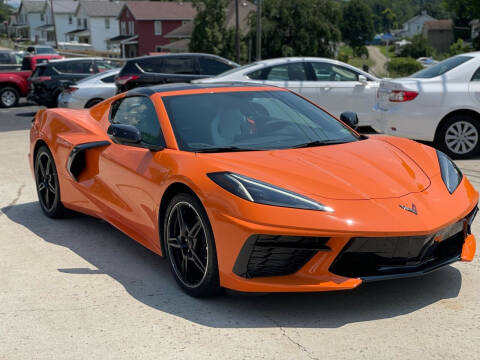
(358, 62)
(387, 51)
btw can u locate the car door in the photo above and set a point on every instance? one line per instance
(291, 75)
(339, 89)
(474, 87)
(129, 175)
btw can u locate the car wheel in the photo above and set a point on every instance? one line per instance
(459, 137)
(92, 103)
(190, 247)
(9, 97)
(48, 188)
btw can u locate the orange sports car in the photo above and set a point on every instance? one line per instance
(254, 188)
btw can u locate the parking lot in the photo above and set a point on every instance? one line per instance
(78, 288)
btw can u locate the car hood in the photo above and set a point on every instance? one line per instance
(361, 170)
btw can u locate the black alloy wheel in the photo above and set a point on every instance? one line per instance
(190, 248)
(48, 188)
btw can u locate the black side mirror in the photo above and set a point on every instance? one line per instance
(124, 134)
(350, 118)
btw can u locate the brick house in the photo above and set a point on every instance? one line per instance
(144, 24)
(439, 34)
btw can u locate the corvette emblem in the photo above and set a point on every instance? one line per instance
(412, 209)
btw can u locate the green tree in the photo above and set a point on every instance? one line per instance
(388, 19)
(209, 27)
(298, 28)
(357, 26)
(463, 11)
(459, 47)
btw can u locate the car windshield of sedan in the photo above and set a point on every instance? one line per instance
(441, 68)
(251, 120)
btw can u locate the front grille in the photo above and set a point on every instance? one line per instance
(272, 255)
(387, 256)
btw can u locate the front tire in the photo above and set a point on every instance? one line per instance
(190, 247)
(48, 188)
(9, 97)
(459, 136)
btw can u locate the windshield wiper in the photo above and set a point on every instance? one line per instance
(224, 149)
(318, 143)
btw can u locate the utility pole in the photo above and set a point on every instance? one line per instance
(237, 32)
(259, 30)
(54, 27)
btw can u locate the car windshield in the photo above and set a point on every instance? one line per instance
(251, 120)
(441, 67)
(99, 76)
(235, 69)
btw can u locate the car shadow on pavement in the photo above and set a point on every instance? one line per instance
(146, 277)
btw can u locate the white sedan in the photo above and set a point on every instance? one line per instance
(334, 85)
(440, 103)
(89, 91)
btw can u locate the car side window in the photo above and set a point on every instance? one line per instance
(138, 111)
(179, 65)
(209, 66)
(331, 72)
(151, 64)
(284, 72)
(75, 67)
(476, 76)
(103, 66)
(109, 79)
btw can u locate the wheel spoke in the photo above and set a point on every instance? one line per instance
(181, 222)
(198, 262)
(52, 189)
(184, 266)
(41, 186)
(42, 169)
(47, 167)
(173, 242)
(195, 229)
(47, 199)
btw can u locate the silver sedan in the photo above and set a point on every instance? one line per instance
(89, 91)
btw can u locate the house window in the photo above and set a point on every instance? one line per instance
(158, 27)
(85, 23)
(123, 28)
(107, 23)
(79, 22)
(131, 28)
(158, 48)
(42, 17)
(70, 20)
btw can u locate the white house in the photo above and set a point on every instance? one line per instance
(65, 21)
(30, 16)
(414, 26)
(96, 21)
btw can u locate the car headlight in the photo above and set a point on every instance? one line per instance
(451, 174)
(263, 193)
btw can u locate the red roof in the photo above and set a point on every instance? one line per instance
(161, 10)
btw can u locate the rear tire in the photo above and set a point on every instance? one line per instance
(459, 136)
(190, 247)
(9, 97)
(48, 187)
(92, 102)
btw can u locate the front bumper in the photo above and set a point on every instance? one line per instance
(290, 265)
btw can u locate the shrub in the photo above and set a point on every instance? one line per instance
(459, 48)
(403, 66)
(418, 48)
(362, 52)
(343, 57)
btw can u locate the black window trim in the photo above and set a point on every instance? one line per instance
(152, 147)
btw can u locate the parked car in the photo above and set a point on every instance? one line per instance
(11, 60)
(15, 84)
(171, 68)
(254, 188)
(440, 103)
(49, 80)
(427, 61)
(332, 84)
(41, 49)
(89, 91)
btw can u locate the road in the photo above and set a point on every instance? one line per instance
(79, 289)
(380, 60)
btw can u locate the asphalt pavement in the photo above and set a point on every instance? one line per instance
(79, 289)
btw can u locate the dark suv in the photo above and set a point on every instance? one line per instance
(171, 68)
(48, 80)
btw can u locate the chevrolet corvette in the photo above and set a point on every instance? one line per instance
(254, 188)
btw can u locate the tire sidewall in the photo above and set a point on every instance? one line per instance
(58, 209)
(440, 138)
(14, 91)
(210, 286)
